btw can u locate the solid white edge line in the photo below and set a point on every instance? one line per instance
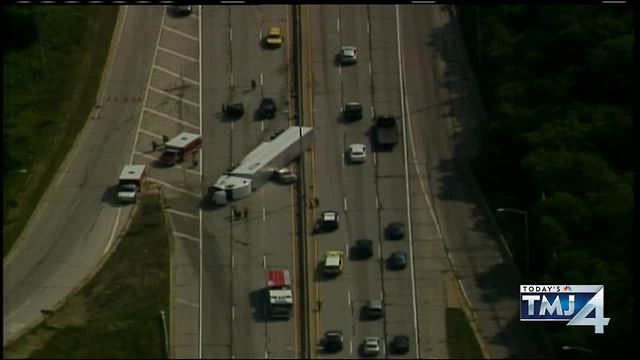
(200, 212)
(345, 203)
(338, 26)
(264, 261)
(404, 135)
(260, 35)
(264, 214)
(349, 298)
(261, 79)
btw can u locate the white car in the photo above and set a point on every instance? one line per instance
(357, 153)
(371, 346)
(348, 55)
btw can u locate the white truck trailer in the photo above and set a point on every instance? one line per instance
(261, 164)
(280, 294)
(130, 182)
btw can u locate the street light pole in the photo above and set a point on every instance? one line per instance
(526, 234)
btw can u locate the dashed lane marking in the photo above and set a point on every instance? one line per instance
(189, 237)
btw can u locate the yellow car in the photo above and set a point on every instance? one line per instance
(274, 37)
(333, 262)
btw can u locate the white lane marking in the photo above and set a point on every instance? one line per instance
(377, 202)
(169, 117)
(349, 298)
(375, 158)
(169, 51)
(147, 132)
(188, 237)
(265, 354)
(113, 231)
(372, 112)
(345, 204)
(261, 79)
(165, 184)
(233, 312)
(264, 261)
(264, 214)
(346, 249)
(369, 68)
(340, 70)
(406, 178)
(464, 293)
(182, 301)
(165, 27)
(178, 98)
(230, 34)
(200, 210)
(182, 213)
(338, 26)
(260, 35)
(174, 74)
(351, 346)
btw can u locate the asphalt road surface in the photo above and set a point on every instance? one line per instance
(237, 252)
(79, 218)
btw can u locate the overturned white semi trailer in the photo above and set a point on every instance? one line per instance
(259, 165)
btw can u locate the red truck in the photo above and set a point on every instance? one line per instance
(176, 148)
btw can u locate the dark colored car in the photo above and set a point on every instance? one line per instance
(180, 10)
(400, 344)
(267, 109)
(395, 230)
(328, 220)
(333, 341)
(398, 260)
(234, 110)
(373, 309)
(352, 111)
(363, 248)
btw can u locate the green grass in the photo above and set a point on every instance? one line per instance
(462, 341)
(116, 314)
(52, 68)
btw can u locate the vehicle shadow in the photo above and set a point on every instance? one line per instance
(110, 196)
(320, 275)
(259, 305)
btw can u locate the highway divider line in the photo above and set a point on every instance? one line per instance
(112, 236)
(200, 225)
(404, 140)
(188, 237)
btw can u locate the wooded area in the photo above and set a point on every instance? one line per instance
(556, 85)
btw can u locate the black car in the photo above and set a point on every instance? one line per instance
(333, 341)
(398, 260)
(395, 230)
(267, 109)
(400, 344)
(352, 111)
(363, 248)
(234, 110)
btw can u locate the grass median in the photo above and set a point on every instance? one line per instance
(52, 66)
(116, 314)
(461, 340)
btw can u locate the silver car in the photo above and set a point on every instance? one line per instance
(357, 153)
(371, 346)
(348, 55)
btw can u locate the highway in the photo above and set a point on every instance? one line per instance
(180, 71)
(78, 220)
(237, 252)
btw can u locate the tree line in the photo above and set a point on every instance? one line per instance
(556, 85)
